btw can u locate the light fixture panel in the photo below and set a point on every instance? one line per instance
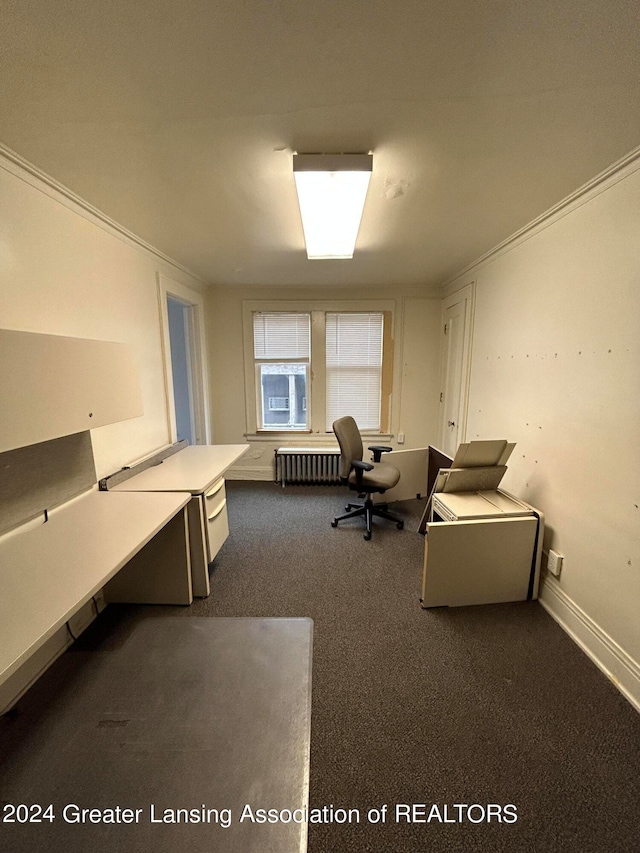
(331, 193)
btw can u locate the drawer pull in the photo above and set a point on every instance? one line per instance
(216, 488)
(217, 511)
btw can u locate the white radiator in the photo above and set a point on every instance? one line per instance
(309, 466)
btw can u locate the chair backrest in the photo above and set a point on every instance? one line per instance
(350, 441)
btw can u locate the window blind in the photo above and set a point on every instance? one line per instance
(354, 368)
(281, 336)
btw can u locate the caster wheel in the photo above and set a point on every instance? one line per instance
(400, 525)
(367, 536)
(334, 523)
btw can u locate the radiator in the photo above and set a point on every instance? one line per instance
(317, 466)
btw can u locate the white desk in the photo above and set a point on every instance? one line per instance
(48, 572)
(198, 470)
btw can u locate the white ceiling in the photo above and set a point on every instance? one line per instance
(178, 120)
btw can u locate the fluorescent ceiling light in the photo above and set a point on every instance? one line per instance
(331, 193)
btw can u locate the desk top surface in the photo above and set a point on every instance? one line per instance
(192, 469)
(49, 571)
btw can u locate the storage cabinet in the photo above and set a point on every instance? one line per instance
(481, 548)
(73, 385)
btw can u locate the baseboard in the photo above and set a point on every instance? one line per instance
(266, 473)
(619, 667)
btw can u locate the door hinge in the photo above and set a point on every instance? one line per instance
(445, 328)
(442, 396)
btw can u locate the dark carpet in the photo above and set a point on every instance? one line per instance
(457, 720)
(475, 705)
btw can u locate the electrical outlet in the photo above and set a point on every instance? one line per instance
(400, 438)
(554, 563)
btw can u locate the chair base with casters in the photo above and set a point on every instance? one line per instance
(368, 509)
(365, 478)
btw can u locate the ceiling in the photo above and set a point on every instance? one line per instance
(178, 120)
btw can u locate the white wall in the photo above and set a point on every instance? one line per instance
(416, 375)
(556, 368)
(64, 271)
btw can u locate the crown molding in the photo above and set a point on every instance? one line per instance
(600, 183)
(12, 162)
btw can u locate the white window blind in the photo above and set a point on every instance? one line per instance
(281, 336)
(354, 368)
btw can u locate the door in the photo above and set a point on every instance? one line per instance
(457, 315)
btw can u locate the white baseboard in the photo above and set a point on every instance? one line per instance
(619, 667)
(246, 473)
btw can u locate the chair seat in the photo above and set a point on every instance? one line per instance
(382, 477)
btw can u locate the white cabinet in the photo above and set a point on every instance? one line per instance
(481, 548)
(53, 386)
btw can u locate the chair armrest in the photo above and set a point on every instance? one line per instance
(363, 466)
(378, 450)
(360, 467)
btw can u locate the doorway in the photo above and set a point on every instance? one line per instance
(181, 345)
(185, 368)
(457, 318)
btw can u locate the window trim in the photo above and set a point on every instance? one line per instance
(317, 372)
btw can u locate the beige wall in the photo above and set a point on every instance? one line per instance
(556, 368)
(416, 367)
(64, 272)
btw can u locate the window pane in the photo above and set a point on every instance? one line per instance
(281, 335)
(283, 395)
(354, 368)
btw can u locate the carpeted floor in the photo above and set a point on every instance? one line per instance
(447, 714)
(476, 705)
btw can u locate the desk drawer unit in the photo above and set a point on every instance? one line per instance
(216, 521)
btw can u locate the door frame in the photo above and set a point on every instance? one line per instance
(467, 293)
(198, 357)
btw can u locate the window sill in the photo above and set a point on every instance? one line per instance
(310, 438)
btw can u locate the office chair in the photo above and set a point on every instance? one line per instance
(364, 478)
